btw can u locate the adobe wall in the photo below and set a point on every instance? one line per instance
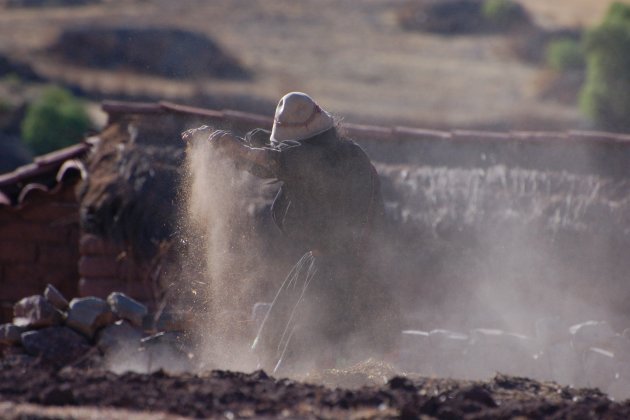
(38, 245)
(594, 153)
(582, 152)
(105, 267)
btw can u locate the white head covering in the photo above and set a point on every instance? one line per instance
(298, 117)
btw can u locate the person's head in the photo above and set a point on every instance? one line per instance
(298, 117)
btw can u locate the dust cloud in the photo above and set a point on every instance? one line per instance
(222, 254)
(508, 255)
(486, 258)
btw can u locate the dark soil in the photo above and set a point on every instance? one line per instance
(232, 394)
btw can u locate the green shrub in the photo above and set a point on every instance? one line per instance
(12, 80)
(606, 94)
(55, 120)
(6, 106)
(565, 54)
(502, 13)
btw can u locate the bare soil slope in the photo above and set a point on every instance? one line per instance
(230, 395)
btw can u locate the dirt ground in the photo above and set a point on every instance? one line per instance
(33, 389)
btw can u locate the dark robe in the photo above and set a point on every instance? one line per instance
(330, 205)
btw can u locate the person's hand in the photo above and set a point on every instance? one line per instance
(219, 139)
(194, 133)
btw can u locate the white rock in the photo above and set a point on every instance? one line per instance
(87, 315)
(120, 336)
(591, 334)
(36, 312)
(55, 297)
(127, 308)
(10, 334)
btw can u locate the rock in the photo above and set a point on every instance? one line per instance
(120, 336)
(55, 297)
(35, 312)
(127, 308)
(591, 334)
(59, 345)
(10, 334)
(600, 368)
(57, 395)
(14, 353)
(87, 315)
(167, 351)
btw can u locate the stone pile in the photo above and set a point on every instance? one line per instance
(116, 330)
(590, 354)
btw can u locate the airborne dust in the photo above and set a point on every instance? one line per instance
(474, 251)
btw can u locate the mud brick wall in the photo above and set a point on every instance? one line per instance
(105, 267)
(38, 245)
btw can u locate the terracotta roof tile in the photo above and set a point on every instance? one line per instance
(4, 200)
(70, 167)
(184, 109)
(131, 107)
(421, 133)
(41, 176)
(61, 155)
(32, 190)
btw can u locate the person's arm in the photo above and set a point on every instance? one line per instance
(261, 162)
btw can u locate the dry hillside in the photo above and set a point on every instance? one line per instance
(350, 55)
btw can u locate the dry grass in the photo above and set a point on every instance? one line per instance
(350, 55)
(568, 12)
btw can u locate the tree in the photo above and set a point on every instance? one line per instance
(55, 120)
(606, 94)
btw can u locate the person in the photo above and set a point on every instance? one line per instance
(329, 205)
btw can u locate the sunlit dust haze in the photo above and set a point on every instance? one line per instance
(217, 224)
(495, 253)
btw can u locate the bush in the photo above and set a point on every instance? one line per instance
(565, 54)
(55, 120)
(503, 14)
(606, 95)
